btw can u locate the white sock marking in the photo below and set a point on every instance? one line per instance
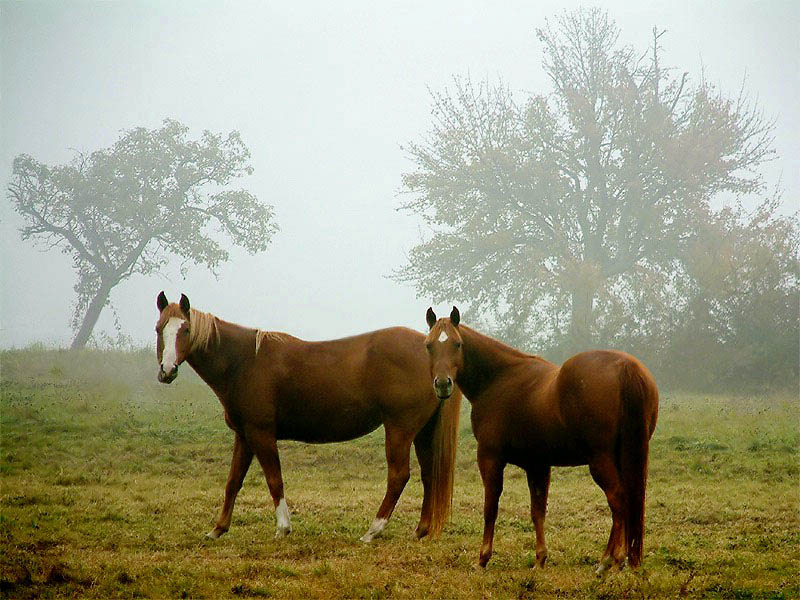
(443, 336)
(282, 517)
(170, 335)
(375, 530)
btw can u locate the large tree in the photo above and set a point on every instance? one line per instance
(547, 212)
(154, 195)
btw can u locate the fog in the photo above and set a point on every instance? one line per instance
(324, 95)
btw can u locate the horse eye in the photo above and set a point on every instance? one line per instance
(458, 344)
(428, 346)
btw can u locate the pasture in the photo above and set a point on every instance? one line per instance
(109, 482)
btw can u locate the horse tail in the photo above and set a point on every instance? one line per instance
(444, 444)
(639, 399)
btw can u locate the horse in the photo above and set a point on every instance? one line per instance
(598, 408)
(274, 386)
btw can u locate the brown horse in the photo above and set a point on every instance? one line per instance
(274, 386)
(599, 408)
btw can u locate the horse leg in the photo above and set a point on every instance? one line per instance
(398, 449)
(424, 450)
(240, 463)
(539, 485)
(265, 446)
(604, 472)
(492, 475)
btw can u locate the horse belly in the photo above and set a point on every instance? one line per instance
(535, 448)
(325, 421)
(538, 435)
(569, 457)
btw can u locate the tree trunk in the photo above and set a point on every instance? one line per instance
(92, 314)
(581, 319)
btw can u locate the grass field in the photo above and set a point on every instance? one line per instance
(110, 482)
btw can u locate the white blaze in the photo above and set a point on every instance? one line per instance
(443, 336)
(170, 335)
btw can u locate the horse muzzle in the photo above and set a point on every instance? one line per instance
(443, 388)
(164, 377)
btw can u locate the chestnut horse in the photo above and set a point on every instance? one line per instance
(274, 386)
(598, 408)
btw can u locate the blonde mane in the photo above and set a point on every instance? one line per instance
(204, 327)
(262, 335)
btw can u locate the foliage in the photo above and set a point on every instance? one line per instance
(570, 218)
(740, 317)
(130, 208)
(109, 481)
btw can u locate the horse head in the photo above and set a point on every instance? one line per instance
(172, 336)
(445, 353)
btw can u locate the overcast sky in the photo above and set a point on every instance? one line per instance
(324, 95)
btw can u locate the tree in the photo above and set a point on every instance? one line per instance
(741, 285)
(128, 208)
(550, 214)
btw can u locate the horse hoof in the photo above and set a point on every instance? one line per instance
(215, 533)
(375, 530)
(603, 567)
(369, 536)
(281, 532)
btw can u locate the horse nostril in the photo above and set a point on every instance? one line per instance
(449, 381)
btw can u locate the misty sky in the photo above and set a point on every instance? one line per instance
(324, 95)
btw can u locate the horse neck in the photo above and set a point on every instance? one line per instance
(227, 348)
(484, 360)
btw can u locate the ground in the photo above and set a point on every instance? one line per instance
(109, 482)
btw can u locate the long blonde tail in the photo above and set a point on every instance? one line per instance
(444, 445)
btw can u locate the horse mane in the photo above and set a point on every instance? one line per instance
(262, 335)
(204, 327)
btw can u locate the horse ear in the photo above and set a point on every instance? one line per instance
(185, 304)
(455, 317)
(430, 317)
(161, 301)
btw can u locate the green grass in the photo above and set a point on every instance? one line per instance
(109, 482)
